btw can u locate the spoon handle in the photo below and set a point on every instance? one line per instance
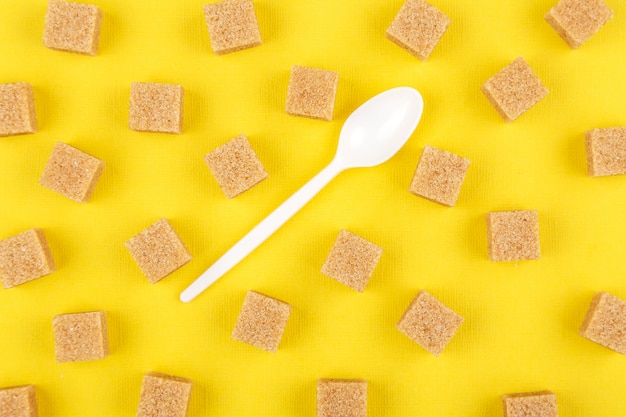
(261, 232)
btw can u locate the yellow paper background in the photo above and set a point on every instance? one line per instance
(521, 319)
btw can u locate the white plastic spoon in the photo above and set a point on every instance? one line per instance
(371, 135)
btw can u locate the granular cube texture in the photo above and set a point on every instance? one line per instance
(439, 176)
(156, 107)
(311, 92)
(606, 151)
(578, 20)
(80, 336)
(341, 398)
(429, 323)
(232, 25)
(530, 404)
(72, 27)
(235, 166)
(605, 322)
(25, 257)
(514, 89)
(18, 401)
(418, 27)
(17, 109)
(71, 172)
(513, 235)
(352, 260)
(164, 396)
(262, 321)
(158, 251)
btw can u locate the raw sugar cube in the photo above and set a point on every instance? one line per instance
(25, 257)
(341, 397)
(606, 151)
(80, 336)
(235, 166)
(605, 322)
(18, 401)
(232, 25)
(72, 27)
(514, 90)
(311, 92)
(352, 260)
(439, 176)
(578, 20)
(164, 396)
(262, 321)
(418, 27)
(158, 251)
(17, 109)
(513, 235)
(429, 323)
(156, 107)
(71, 172)
(530, 404)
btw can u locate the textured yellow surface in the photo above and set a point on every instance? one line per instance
(521, 319)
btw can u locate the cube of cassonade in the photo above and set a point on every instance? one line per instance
(18, 401)
(71, 172)
(439, 176)
(164, 395)
(80, 336)
(513, 235)
(232, 25)
(235, 166)
(418, 27)
(158, 251)
(606, 151)
(17, 109)
(605, 322)
(352, 260)
(156, 107)
(341, 397)
(429, 323)
(262, 321)
(311, 92)
(578, 20)
(25, 257)
(530, 404)
(72, 27)
(514, 90)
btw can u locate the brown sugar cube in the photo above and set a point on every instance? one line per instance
(418, 27)
(232, 25)
(158, 251)
(235, 166)
(25, 257)
(514, 90)
(156, 107)
(80, 336)
(72, 27)
(578, 20)
(71, 172)
(606, 151)
(341, 397)
(439, 176)
(164, 395)
(17, 109)
(513, 235)
(605, 322)
(530, 404)
(262, 321)
(352, 260)
(429, 323)
(311, 92)
(18, 401)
